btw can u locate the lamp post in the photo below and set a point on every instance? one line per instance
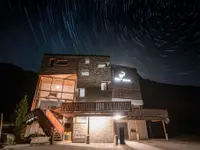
(88, 132)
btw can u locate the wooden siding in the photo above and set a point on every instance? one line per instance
(70, 68)
(126, 90)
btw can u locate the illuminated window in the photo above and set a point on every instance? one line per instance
(101, 65)
(104, 86)
(81, 92)
(85, 73)
(52, 62)
(81, 119)
(62, 62)
(87, 61)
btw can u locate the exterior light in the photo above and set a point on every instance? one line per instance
(121, 75)
(117, 79)
(57, 86)
(126, 80)
(117, 117)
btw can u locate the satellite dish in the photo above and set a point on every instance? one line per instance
(167, 121)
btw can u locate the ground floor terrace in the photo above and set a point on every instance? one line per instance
(101, 123)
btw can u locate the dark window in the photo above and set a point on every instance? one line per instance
(52, 62)
(67, 125)
(62, 62)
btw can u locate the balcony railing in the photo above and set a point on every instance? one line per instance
(96, 107)
(150, 114)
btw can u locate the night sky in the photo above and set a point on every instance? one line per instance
(161, 38)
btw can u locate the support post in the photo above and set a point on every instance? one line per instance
(88, 132)
(115, 132)
(165, 131)
(137, 130)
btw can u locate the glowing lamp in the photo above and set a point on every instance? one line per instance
(117, 117)
(126, 80)
(117, 79)
(57, 86)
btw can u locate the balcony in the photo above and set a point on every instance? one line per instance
(148, 114)
(110, 108)
(96, 107)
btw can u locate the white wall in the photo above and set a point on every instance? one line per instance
(142, 129)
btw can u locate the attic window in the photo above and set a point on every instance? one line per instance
(85, 73)
(101, 65)
(51, 62)
(62, 62)
(87, 61)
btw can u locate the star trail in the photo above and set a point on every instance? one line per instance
(161, 38)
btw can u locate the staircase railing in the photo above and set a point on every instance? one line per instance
(42, 120)
(56, 123)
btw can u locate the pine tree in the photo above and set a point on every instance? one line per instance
(20, 116)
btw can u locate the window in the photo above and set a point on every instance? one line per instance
(52, 62)
(81, 119)
(104, 86)
(82, 92)
(87, 61)
(101, 65)
(85, 73)
(62, 62)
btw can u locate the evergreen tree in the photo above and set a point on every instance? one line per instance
(21, 112)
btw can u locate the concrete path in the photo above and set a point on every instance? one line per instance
(163, 145)
(74, 146)
(130, 145)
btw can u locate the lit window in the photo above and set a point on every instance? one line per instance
(104, 86)
(85, 73)
(81, 119)
(101, 65)
(62, 62)
(82, 92)
(52, 62)
(87, 61)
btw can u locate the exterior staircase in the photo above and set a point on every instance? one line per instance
(48, 122)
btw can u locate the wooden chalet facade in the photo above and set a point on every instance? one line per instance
(78, 97)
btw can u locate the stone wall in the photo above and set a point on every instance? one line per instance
(100, 130)
(79, 132)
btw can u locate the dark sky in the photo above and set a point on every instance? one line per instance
(161, 38)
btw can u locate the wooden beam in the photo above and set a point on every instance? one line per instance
(165, 131)
(57, 91)
(137, 130)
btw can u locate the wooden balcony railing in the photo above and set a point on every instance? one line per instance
(148, 114)
(96, 107)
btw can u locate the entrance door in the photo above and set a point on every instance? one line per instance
(122, 125)
(68, 132)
